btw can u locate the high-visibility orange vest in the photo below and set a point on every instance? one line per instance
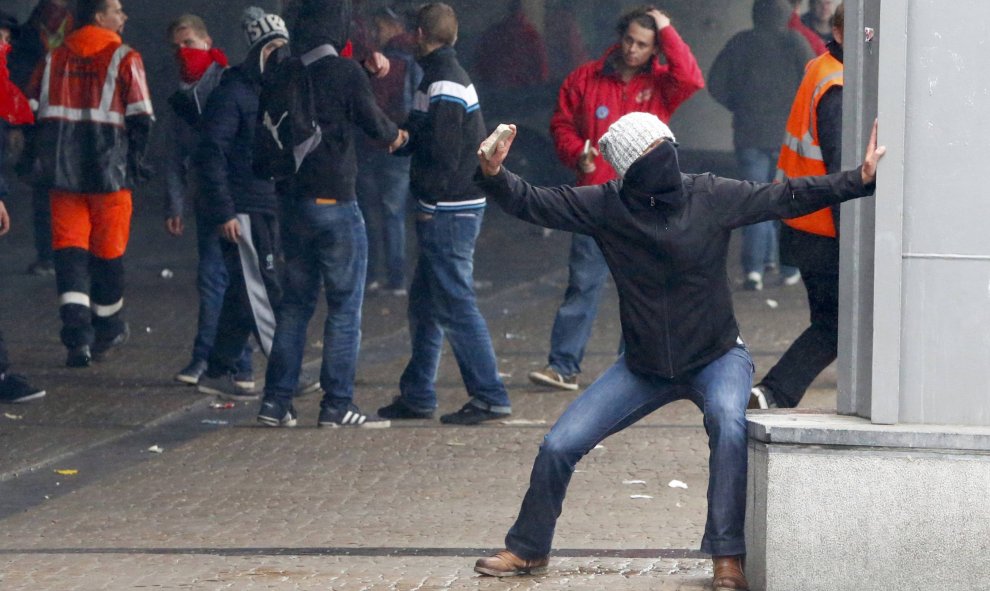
(801, 154)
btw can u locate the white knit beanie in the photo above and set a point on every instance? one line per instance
(629, 137)
(260, 27)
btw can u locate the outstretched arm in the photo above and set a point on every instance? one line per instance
(573, 209)
(740, 203)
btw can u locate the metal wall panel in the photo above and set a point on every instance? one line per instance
(931, 312)
(946, 360)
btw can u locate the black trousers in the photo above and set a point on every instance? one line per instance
(253, 293)
(4, 360)
(817, 346)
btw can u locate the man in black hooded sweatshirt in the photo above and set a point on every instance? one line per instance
(242, 208)
(325, 239)
(665, 237)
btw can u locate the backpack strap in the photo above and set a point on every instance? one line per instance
(318, 53)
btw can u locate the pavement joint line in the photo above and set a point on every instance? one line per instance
(21, 487)
(362, 552)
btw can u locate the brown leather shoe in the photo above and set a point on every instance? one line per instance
(729, 574)
(507, 564)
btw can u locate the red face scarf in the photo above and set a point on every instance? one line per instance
(14, 107)
(193, 62)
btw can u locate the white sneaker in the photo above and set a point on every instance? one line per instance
(753, 282)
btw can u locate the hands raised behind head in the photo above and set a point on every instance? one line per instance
(492, 166)
(873, 156)
(661, 18)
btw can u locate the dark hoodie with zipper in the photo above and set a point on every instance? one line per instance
(225, 154)
(757, 73)
(665, 237)
(343, 98)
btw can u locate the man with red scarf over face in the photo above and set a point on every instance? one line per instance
(200, 68)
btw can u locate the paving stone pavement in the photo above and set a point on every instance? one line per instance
(237, 506)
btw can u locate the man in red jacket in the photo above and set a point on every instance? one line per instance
(628, 78)
(94, 113)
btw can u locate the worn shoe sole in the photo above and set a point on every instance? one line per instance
(273, 422)
(28, 398)
(536, 570)
(372, 425)
(543, 380)
(246, 396)
(757, 401)
(186, 379)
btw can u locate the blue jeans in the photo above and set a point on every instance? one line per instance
(760, 241)
(587, 272)
(442, 301)
(325, 245)
(383, 194)
(615, 401)
(211, 283)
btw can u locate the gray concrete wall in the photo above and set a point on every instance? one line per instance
(844, 519)
(932, 263)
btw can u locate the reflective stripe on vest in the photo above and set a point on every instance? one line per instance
(800, 153)
(101, 114)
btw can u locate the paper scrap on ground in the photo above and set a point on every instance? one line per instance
(67, 472)
(155, 449)
(517, 422)
(633, 482)
(773, 304)
(213, 422)
(599, 446)
(505, 376)
(676, 484)
(640, 497)
(13, 417)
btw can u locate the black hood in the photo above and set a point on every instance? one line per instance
(319, 22)
(654, 180)
(771, 15)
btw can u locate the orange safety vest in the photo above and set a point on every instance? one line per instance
(801, 154)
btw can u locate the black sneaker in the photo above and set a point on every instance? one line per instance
(245, 380)
(277, 413)
(191, 373)
(79, 357)
(471, 415)
(400, 410)
(225, 387)
(351, 417)
(102, 348)
(761, 397)
(14, 389)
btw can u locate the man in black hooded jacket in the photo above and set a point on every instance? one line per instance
(665, 237)
(325, 239)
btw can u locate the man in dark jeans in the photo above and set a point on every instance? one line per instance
(811, 243)
(13, 388)
(325, 240)
(200, 68)
(13, 107)
(242, 208)
(383, 179)
(445, 129)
